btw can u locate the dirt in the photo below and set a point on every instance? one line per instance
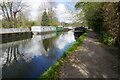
(90, 61)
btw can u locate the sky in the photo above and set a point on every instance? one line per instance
(64, 9)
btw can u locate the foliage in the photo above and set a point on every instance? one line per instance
(53, 71)
(4, 23)
(103, 17)
(11, 9)
(74, 46)
(65, 24)
(45, 19)
(0, 23)
(106, 38)
(111, 20)
(31, 23)
(87, 11)
(22, 21)
(54, 23)
(52, 17)
(14, 14)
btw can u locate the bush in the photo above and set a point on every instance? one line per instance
(106, 38)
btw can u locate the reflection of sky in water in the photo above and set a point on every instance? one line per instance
(32, 51)
(30, 58)
(65, 39)
(38, 48)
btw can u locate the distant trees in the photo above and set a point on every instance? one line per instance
(49, 18)
(14, 15)
(52, 17)
(22, 20)
(89, 13)
(45, 19)
(0, 23)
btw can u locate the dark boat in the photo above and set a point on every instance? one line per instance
(79, 30)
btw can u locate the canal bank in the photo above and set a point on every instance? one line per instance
(13, 34)
(8, 37)
(53, 71)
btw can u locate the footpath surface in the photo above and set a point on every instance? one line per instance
(90, 61)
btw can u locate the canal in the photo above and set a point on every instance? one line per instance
(31, 57)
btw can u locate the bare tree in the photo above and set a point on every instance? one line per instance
(11, 9)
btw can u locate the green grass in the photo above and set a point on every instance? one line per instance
(53, 71)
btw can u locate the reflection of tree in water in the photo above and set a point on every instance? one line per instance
(47, 43)
(50, 48)
(12, 53)
(25, 42)
(58, 33)
(64, 33)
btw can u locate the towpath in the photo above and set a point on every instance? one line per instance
(90, 61)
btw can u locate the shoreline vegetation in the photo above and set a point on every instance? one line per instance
(53, 71)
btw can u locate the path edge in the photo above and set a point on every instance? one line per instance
(53, 71)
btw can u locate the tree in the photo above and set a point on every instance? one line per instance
(0, 23)
(104, 19)
(52, 17)
(45, 19)
(11, 9)
(22, 20)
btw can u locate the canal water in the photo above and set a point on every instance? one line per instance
(29, 58)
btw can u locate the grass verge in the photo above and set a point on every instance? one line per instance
(53, 71)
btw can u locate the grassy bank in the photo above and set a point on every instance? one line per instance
(53, 71)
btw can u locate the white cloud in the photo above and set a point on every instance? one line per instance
(36, 7)
(61, 7)
(1, 14)
(61, 12)
(64, 14)
(1, 17)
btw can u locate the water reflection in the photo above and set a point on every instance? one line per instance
(10, 52)
(31, 57)
(11, 38)
(65, 39)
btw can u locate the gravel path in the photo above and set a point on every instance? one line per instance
(90, 61)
